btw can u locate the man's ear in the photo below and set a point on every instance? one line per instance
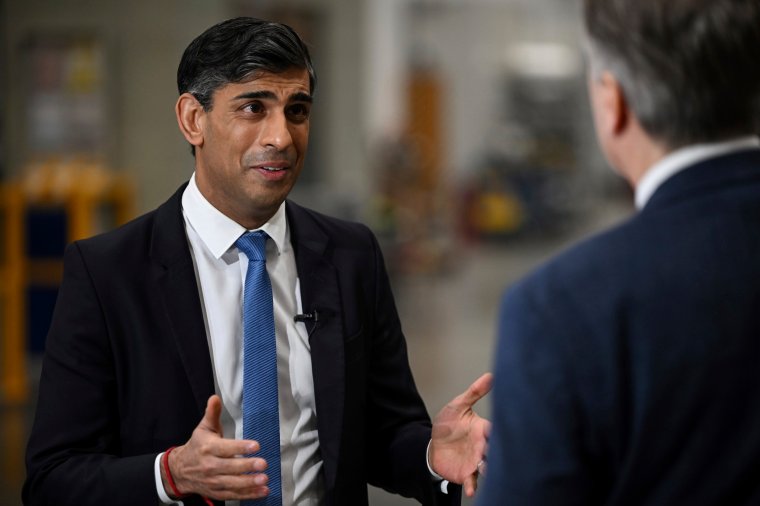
(615, 113)
(190, 118)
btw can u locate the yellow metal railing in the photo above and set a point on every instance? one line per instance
(78, 187)
(13, 377)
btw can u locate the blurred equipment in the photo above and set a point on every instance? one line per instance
(527, 177)
(65, 99)
(63, 191)
(412, 208)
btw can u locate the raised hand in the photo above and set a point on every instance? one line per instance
(459, 437)
(214, 467)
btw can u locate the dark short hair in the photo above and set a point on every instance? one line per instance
(689, 68)
(234, 50)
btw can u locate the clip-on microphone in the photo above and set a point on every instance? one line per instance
(307, 317)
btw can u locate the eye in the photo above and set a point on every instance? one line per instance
(299, 112)
(254, 107)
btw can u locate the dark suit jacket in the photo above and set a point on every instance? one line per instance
(628, 369)
(127, 370)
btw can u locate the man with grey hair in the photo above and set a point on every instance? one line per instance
(627, 367)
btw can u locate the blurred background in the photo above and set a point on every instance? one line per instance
(459, 130)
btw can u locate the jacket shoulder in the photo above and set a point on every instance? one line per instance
(590, 259)
(164, 224)
(342, 233)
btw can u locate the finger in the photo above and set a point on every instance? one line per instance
(475, 392)
(481, 436)
(211, 420)
(229, 490)
(214, 474)
(229, 448)
(238, 486)
(470, 485)
(226, 495)
(237, 466)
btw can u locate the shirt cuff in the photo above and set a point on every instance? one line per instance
(436, 477)
(165, 499)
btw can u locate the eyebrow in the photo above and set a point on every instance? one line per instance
(268, 95)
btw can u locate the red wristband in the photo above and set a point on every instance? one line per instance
(170, 479)
(165, 463)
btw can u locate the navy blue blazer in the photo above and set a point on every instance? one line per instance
(127, 370)
(628, 368)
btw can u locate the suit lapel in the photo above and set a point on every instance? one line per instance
(320, 292)
(178, 287)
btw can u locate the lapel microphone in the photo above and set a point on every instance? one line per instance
(313, 316)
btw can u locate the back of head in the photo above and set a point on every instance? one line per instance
(689, 68)
(234, 50)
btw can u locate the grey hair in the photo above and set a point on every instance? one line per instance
(648, 99)
(687, 68)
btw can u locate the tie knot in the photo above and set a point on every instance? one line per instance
(253, 244)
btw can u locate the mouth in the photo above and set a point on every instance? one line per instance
(273, 166)
(273, 171)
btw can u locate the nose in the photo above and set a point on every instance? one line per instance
(276, 132)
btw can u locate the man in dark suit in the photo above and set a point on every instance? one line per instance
(627, 367)
(145, 351)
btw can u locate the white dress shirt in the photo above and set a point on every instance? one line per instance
(683, 158)
(220, 269)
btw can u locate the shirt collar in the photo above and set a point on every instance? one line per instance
(683, 158)
(218, 232)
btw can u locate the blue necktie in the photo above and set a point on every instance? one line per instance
(261, 420)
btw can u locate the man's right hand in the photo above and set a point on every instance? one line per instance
(214, 467)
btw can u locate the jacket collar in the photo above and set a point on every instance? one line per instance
(708, 176)
(683, 158)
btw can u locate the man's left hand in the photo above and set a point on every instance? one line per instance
(459, 437)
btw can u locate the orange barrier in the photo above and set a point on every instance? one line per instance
(80, 188)
(13, 377)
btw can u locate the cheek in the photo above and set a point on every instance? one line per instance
(240, 146)
(241, 137)
(219, 141)
(301, 139)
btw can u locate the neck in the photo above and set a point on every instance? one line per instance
(636, 153)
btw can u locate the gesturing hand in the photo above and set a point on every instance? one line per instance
(214, 467)
(459, 437)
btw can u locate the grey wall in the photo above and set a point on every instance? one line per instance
(144, 41)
